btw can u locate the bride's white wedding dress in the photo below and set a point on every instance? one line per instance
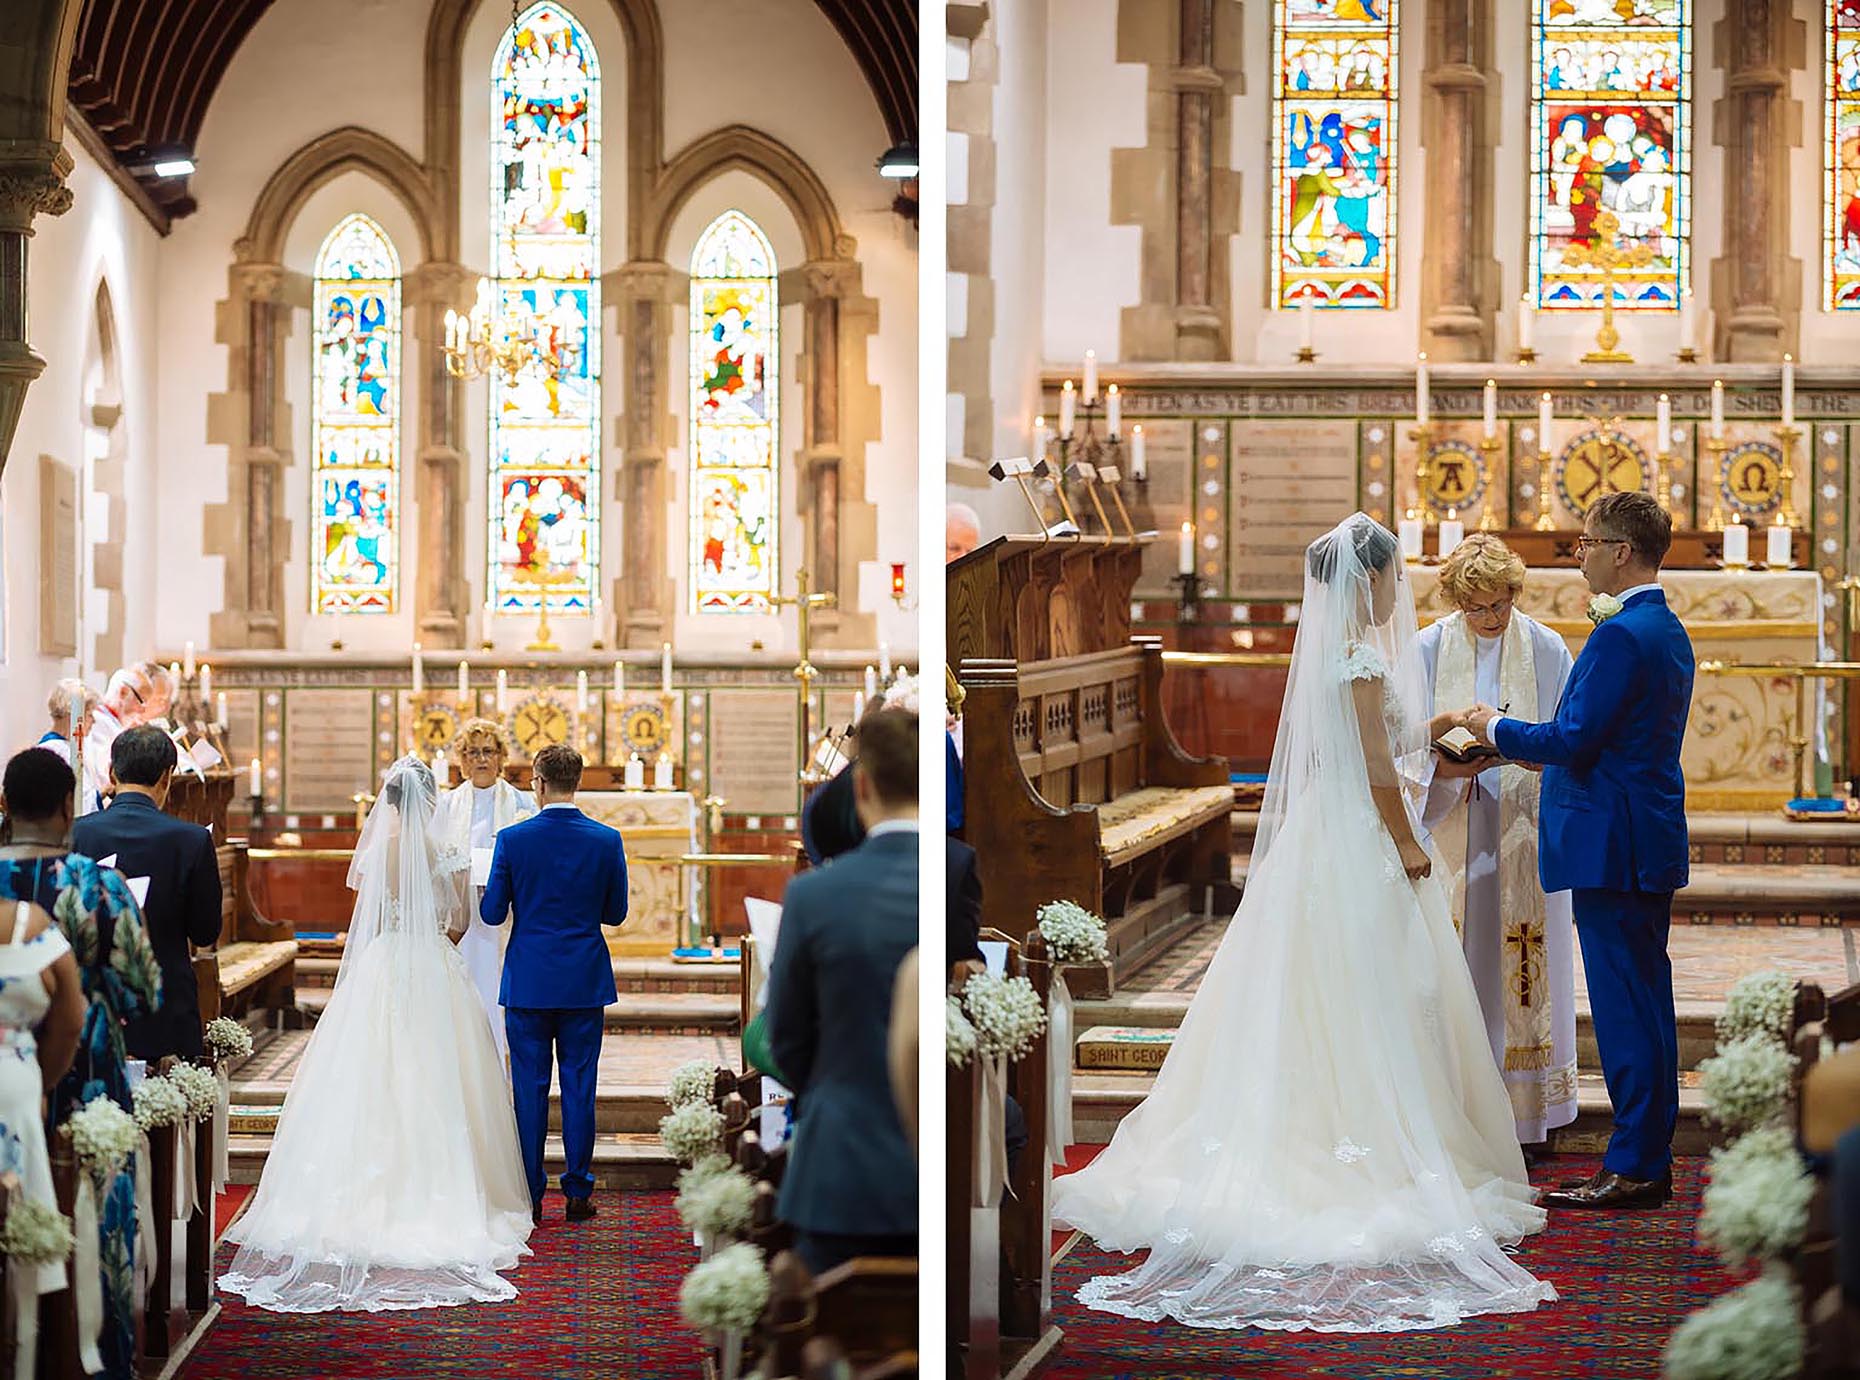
(1328, 1145)
(394, 1179)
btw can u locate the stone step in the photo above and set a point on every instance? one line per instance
(663, 1013)
(620, 1109)
(620, 1160)
(1101, 1101)
(632, 976)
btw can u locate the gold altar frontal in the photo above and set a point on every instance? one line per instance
(657, 827)
(1737, 754)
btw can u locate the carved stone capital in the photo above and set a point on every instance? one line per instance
(32, 183)
(829, 278)
(651, 280)
(444, 284)
(258, 282)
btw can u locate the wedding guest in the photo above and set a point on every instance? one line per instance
(851, 1183)
(182, 904)
(904, 1045)
(58, 710)
(962, 531)
(120, 980)
(1520, 944)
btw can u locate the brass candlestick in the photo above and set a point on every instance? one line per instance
(1545, 522)
(1786, 437)
(1422, 434)
(1488, 454)
(1662, 481)
(1715, 446)
(805, 673)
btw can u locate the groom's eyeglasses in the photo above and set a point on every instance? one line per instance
(1586, 543)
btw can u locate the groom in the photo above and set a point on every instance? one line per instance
(559, 876)
(1612, 827)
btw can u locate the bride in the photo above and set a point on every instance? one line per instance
(1328, 1146)
(394, 1179)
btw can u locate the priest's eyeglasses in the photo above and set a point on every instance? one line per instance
(485, 753)
(1489, 612)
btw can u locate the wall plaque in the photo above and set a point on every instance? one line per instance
(1290, 482)
(328, 749)
(58, 558)
(755, 751)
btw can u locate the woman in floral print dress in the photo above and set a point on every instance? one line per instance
(120, 979)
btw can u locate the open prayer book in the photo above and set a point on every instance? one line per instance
(1459, 745)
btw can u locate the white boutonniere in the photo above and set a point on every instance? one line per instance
(1602, 607)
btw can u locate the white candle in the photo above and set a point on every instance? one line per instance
(1113, 411)
(1664, 425)
(1777, 554)
(1139, 454)
(1185, 550)
(1717, 409)
(871, 682)
(1788, 391)
(665, 668)
(581, 692)
(1409, 529)
(419, 671)
(1491, 409)
(635, 773)
(187, 658)
(503, 691)
(619, 680)
(76, 711)
(174, 673)
(1307, 318)
(206, 683)
(255, 779)
(1091, 376)
(884, 662)
(1527, 323)
(1736, 544)
(1068, 409)
(1546, 414)
(858, 705)
(220, 714)
(1040, 437)
(662, 772)
(464, 681)
(1687, 322)
(1422, 393)
(1452, 532)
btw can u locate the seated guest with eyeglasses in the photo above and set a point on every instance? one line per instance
(470, 817)
(1482, 814)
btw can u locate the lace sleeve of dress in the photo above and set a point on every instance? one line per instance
(448, 858)
(1363, 662)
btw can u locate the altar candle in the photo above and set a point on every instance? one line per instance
(503, 691)
(858, 705)
(1452, 532)
(581, 692)
(1307, 318)
(187, 657)
(464, 681)
(871, 682)
(1113, 411)
(1410, 532)
(1091, 377)
(1139, 454)
(255, 779)
(1687, 322)
(1777, 553)
(206, 683)
(662, 772)
(419, 671)
(884, 662)
(1664, 426)
(1717, 409)
(1422, 393)
(619, 680)
(1788, 391)
(665, 668)
(1185, 550)
(1527, 323)
(1736, 544)
(1491, 409)
(220, 714)
(1068, 409)
(635, 773)
(1546, 414)
(174, 672)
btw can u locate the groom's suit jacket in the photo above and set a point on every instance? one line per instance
(559, 876)
(1613, 808)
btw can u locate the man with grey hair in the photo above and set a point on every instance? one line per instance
(962, 531)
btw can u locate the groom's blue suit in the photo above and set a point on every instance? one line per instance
(1612, 831)
(559, 876)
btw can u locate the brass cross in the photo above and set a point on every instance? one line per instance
(805, 672)
(1607, 251)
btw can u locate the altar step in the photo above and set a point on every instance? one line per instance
(618, 1110)
(621, 1161)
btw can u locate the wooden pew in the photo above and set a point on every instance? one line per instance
(868, 1307)
(1028, 1335)
(160, 1326)
(58, 1330)
(1831, 1323)
(200, 1242)
(255, 958)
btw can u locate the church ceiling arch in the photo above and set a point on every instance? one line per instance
(882, 35)
(748, 150)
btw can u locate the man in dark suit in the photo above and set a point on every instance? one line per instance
(182, 906)
(851, 1184)
(558, 876)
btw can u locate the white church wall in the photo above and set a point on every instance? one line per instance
(101, 239)
(1017, 250)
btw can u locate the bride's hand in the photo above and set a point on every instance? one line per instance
(1445, 722)
(1414, 860)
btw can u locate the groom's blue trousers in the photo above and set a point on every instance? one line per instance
(1630, 981)
(570, 1038)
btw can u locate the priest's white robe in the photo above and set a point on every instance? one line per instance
(1515, 977)
(470, 818)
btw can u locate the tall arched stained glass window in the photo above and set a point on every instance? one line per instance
(735, 494)
(1333, 153)
(1611, 134)
(1841, 212)
(355, 416)
(544, 496)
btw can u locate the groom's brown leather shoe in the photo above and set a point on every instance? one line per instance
(579, 1209)
(1612, 1192)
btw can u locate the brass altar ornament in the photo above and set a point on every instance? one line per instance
(805, 673)
(1608, 252)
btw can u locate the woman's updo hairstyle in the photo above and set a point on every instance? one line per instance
(1374, 544)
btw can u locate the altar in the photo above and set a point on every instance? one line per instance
(657, 828)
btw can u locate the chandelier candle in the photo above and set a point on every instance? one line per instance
(1068, 409)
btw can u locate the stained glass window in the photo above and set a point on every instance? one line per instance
(735, 497)
(1611, 134)
(1841, 226)
(544, 509)
(1333, 153)
(355, 417)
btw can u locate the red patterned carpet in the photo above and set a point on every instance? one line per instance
(1625, 1280)
(597, 1299)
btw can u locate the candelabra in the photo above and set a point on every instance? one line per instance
(1545, 522)
(1083, 458)
(1786, 437)
(1662, 480)
(1188, 606)
(1488, 457)
(1422, 434)
(475, 345)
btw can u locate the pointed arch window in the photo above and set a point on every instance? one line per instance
(1611, 135)
(1841, 158)
(545, 505)
(355, 408)
(735, 475)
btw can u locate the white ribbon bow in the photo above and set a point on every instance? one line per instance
(87, 1273)
(1059, 1069)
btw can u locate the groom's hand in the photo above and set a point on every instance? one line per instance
(1479, 721)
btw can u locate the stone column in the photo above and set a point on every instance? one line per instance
(1456, 308)
(260, 289)
(645, 292)
(32, 182)
(441, 600)
(1198, 320)
(1756, 286)
(826, 284)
